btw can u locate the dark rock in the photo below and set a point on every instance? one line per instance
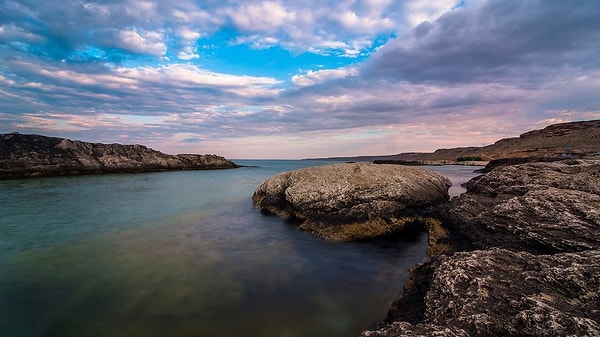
(497, 292)
(492, 164)
(532, 232)
(344, 202)
(405, 329)
(544, 207)
(35, 155)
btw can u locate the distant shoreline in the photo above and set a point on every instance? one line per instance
(578, 140)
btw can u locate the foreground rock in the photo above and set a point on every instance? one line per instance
(344, 202)
(528, 260)
(544, 207)
(35, 155)
(498, 292)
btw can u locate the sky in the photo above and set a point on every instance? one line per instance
(297, 79)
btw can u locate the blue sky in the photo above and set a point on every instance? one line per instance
(297, 79)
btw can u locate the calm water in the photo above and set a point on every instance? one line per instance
(184, 254)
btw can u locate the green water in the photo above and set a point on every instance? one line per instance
(183, 254)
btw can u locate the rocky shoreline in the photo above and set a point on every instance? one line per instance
(579, 140)
(24, 155)
(518, 254)
(523, 258)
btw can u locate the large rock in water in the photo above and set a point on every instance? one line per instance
(531, 260)
(352, 201)
(35, 155)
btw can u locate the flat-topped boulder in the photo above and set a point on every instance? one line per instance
(34, 155)
(351, 201)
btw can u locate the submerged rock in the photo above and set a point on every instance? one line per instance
(35, 155)
(353, 201)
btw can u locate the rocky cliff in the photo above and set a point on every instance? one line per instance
(574, 139)
(523, 259)
(34, 155)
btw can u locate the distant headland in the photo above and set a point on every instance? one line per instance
(30, 155)
(574, 139)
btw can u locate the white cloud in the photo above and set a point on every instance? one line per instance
(266, 16)
(258, 41)
(349, 20)
(426, 10)
(320, 76)
(189, 52)
(143, 43)
(187, 33)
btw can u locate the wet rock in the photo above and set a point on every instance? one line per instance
(35, 155)
(352, 201)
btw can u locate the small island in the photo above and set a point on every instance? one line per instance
(30, 155)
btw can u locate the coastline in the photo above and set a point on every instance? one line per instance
(23, 155)
(501, 266)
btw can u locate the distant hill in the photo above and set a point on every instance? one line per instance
(35, 155)
(574, 139)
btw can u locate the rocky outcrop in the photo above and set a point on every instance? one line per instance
(353, 201)
(34, 155)
(498, 292)
(543, 208)
(525, 258)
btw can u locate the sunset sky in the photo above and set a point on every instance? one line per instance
(297, 79)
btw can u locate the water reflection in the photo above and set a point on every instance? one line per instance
(182, 254)
(199, 275)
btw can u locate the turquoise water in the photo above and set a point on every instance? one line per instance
(184, 254)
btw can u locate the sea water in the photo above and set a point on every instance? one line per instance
(185, 254)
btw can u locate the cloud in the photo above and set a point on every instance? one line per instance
(187, 53)
(426, 10)
(265, 16)
(63, 28)
(147, 43)
(499, 41)
(323, 75)
(453, 74)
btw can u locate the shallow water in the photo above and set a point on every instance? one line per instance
(184, 254)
